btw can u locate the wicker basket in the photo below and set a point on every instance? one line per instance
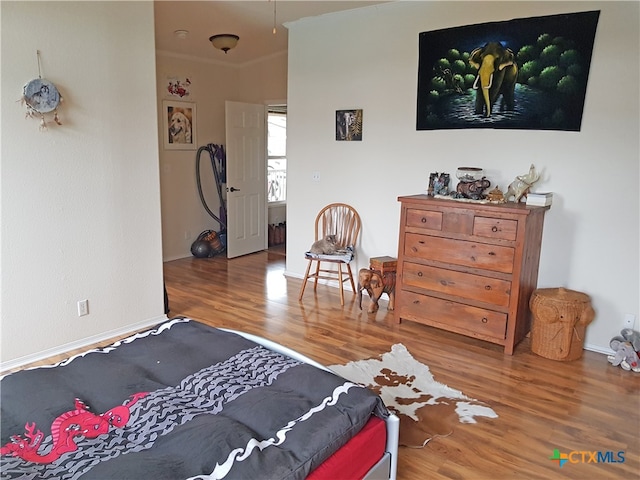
(560, 319)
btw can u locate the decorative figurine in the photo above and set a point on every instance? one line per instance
(521, 185)
(376, 283)
(472, 183)
(472, 190)
(496, 196)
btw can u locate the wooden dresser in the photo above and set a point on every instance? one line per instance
(469, 268)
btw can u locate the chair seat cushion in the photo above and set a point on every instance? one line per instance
(345, 256)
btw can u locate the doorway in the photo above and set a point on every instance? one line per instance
(277, 177)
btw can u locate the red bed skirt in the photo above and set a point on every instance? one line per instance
(357, 456)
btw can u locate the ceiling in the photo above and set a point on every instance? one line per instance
(252, 21)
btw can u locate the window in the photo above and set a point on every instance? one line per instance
(276, 154)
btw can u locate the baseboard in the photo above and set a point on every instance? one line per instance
(85, 342)
(174, 257)
(287, 273)
(599, 349)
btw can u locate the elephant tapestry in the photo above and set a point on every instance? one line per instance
(520, 74)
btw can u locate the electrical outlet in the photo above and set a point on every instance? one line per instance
(83, 308)
(315, 176)
(629, 320)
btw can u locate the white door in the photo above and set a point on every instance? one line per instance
(246, 148)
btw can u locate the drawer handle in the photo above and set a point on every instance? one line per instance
(420, 274)
(493, 254)
(485, 319)
(416, 302)
(424, 220)
(494, 229)
(487, 287)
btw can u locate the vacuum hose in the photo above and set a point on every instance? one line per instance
(214, 150)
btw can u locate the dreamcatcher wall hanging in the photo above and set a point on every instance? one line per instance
(41, 98)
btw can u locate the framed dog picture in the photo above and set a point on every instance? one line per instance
(179, 119)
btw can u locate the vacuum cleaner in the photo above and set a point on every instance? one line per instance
(210, 243)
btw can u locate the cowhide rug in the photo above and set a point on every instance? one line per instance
(426, 408)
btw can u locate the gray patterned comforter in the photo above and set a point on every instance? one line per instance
(183, 400)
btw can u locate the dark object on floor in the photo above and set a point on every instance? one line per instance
(208, 244)
(201, 249)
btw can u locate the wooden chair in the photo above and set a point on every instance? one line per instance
(343, 221)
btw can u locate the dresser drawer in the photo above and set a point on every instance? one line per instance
(428, 219)
(477, 322)
(460, 284)
(459, 252)
(495, 228)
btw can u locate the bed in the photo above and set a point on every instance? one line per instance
(185, 400)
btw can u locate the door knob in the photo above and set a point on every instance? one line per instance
(233, 189)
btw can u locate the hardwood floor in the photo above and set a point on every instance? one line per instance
(582, 406)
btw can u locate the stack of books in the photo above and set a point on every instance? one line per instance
(539, 199)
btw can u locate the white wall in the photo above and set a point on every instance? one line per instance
(369, 60)
(264, 80)
(81, 201)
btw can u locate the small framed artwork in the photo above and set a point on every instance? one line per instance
(438, 184)
(179, 120)
(349, 125)
(178, 86)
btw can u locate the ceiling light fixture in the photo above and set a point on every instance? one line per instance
(224, 41)
(181, 34)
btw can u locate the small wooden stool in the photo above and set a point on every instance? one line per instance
(383, 264)
(560, 319)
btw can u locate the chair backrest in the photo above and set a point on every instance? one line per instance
(341, 220)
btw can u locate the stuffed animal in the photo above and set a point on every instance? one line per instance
(631, 336)
(625, 355)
